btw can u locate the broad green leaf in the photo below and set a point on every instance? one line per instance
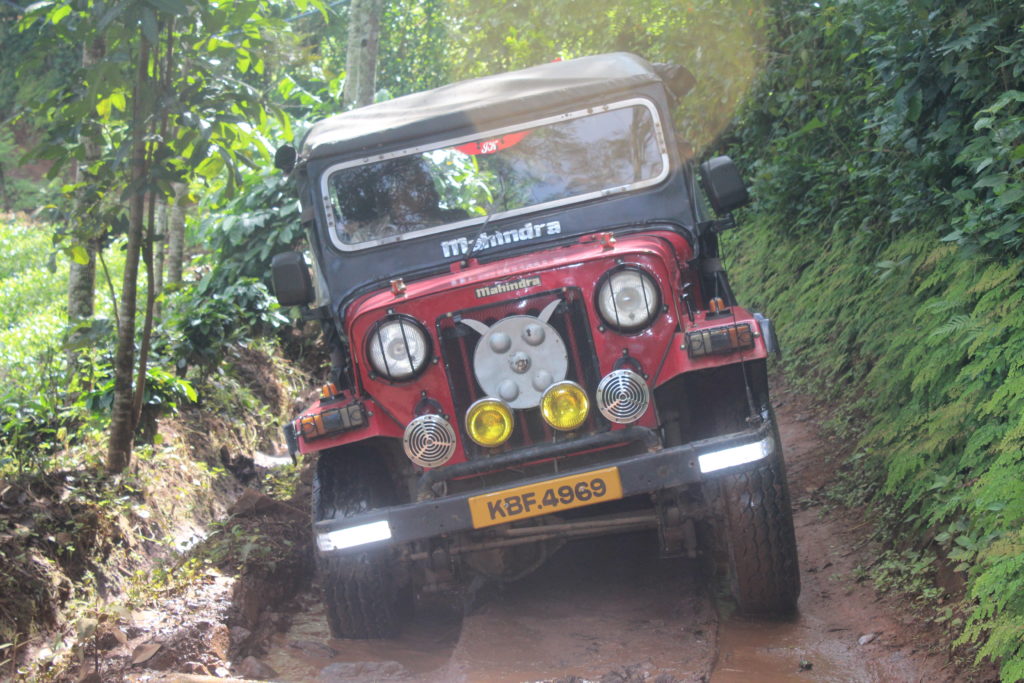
(914, 107)
(210, 167)
(813, 124)
(59, 13)
(994, 180)
(118, 99)
(79, 255)
(1010, 196)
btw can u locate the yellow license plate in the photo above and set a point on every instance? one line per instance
(546, 497)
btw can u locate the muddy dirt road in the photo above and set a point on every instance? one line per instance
(609, 609)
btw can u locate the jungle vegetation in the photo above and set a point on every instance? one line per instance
(883, 141)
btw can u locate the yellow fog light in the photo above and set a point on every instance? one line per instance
(564, 405)
(489, 422)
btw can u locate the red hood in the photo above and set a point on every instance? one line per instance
(668, 247)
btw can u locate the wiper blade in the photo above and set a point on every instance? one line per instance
(475, 240)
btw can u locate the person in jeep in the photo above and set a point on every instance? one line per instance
(533, 341)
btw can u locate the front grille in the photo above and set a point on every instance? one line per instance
(458, 343)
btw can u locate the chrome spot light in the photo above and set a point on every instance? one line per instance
(429, 441)
(623, 396)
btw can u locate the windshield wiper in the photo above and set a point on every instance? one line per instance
(475, 240)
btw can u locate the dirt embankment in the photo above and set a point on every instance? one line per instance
(607, 610)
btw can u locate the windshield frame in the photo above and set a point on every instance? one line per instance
(324, 180)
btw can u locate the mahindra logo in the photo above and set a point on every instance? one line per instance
(487, 240)
(506, 287)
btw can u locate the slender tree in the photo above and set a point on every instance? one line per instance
(82, 271)
(173, 125)
(176, 234)
(361, 55)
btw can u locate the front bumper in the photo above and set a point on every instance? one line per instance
(688, 463)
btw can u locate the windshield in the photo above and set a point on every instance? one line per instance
(561, 160)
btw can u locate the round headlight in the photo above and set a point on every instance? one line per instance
(564, 405)
(398, 348)
(628, 299)
(489, 422)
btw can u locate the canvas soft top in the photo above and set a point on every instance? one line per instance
(477, 104)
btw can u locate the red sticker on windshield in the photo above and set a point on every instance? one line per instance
(492, 146)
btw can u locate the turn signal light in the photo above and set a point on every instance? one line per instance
(331, 421)
(719, 340)
(489, 422)
(564, 405)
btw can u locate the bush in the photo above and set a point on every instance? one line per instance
(886, 143)
(201, 323)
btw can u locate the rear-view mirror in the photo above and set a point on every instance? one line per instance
(723, 185)
(292, 282)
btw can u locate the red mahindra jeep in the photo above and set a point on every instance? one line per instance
(533, 340)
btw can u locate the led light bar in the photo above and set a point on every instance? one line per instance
(719, 340)
(737, 455)
(354, 536)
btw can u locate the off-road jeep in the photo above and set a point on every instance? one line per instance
(533, 340)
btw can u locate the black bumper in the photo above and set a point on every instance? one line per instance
(645, 473)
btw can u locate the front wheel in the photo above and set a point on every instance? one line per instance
(362, 591)
(757, 523)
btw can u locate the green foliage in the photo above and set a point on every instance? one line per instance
(201, 324)
(245, 231)
(720, 41)
(884, 142)
(163, 389)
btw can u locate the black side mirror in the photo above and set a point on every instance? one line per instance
(284, 158)
(678, 78)
(723, 184)
(292, 283)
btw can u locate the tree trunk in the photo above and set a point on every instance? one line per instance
(176, 234)
(82, 276)
(81, 297)
(159, 249)
(122, 424)
(361, 56)
(147, 325)
(5, 198)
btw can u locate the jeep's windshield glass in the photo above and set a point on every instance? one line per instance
(561, 160)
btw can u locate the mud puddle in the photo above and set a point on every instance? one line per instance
(785, 652)
(607, 605)
(600, 606)
(606, 609)
(306, 652)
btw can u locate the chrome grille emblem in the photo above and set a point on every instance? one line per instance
(518, 357)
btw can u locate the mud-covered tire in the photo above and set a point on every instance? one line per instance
(363, 592)
(757, 524)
